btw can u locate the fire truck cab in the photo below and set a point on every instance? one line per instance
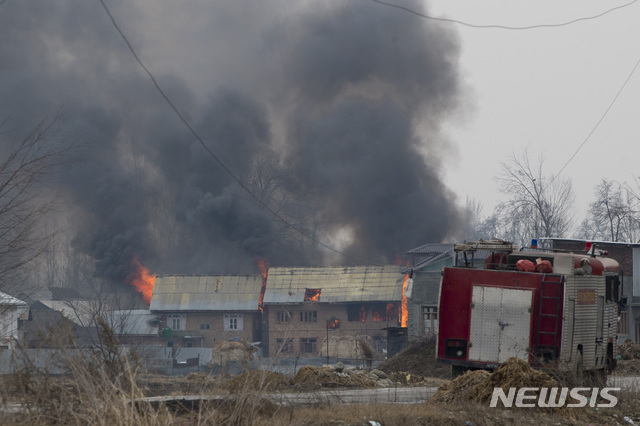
(550, 309)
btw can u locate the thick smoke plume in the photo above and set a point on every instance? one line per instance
(329, 113)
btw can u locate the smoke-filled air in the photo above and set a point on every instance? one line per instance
(328, 112)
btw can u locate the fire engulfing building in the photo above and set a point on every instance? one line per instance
(307, 310)
(201, 310)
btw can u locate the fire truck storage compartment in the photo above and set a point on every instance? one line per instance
(488, 316)
(500, 325)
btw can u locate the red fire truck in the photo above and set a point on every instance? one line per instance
(550, 309)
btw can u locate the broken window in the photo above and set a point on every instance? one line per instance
(312, 294)
(357, 313)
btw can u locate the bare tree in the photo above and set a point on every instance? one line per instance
(23, 166)
(537, 206)
(614, 215)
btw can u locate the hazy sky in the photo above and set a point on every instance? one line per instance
(545, 89)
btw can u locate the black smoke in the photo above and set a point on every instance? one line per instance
(330, 114)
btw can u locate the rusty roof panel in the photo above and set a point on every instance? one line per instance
(338, 285)
(206, 293)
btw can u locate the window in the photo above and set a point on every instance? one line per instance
(357, 313)
(282, 317)
(379, 312)
(430, 320)
(612, 288)
(233, 322)
(623, 322)
(205, 327)
(177, 321)
(284, 346)
(309, 316)
(309, 345)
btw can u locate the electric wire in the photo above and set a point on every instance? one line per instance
(501, 27)
(599, 121)
(214, 156)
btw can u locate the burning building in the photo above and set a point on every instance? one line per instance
(306, 307)
(201, 310)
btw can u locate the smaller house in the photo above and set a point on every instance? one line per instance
(135, 326)
(201, 310)
(11, 309)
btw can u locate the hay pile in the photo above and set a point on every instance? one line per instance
(514, 373)
(232, 351)
(477, 386)
(461, 388)
(629, 350)
(257, 380)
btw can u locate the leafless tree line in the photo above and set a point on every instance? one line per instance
(539, 205)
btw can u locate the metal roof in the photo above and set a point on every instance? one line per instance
(206, 293)
(337, 285)
(6, 299)
(139, 322)
(431, 249)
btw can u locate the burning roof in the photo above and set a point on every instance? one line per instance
(206, 293)
(337, 285)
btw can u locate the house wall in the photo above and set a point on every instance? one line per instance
(9, 315)
(294, 331)
(210, 327)
(424, 297)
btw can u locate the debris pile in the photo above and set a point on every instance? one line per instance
(418, 359)
(628, 359)
(629, 350)
(314, 378)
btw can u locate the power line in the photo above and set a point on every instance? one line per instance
(213, 155)
(501, 27)
(599, 121)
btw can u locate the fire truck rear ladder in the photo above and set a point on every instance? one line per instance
(549, 352)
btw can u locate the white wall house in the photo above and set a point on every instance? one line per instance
(10, 311)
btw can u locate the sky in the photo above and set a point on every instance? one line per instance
(363, 126)
(545, 90)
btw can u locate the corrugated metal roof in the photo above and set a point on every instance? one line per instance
(431, 249)
(140, 322)
(338, 285)
(6, 299)
(206, 293)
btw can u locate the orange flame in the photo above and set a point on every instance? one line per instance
(404, 316)
(263, 265)
(333, 324)
(141, 279)
(392, 311)
(312, 294)
(362, 314)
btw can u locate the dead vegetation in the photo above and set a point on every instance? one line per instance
(417, 360)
